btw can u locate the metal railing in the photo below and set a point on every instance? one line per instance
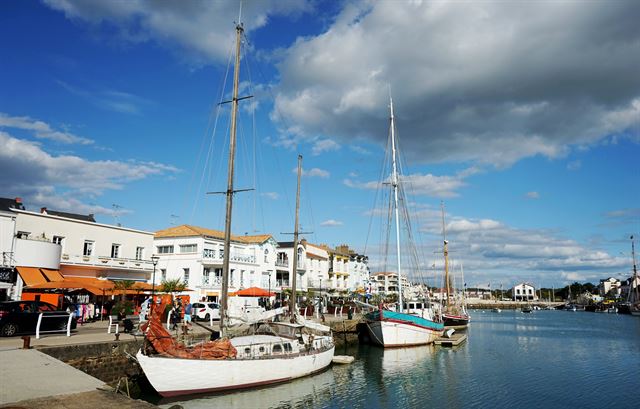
(42, 315)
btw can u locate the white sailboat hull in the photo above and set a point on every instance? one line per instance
(390, 334)
(177, 376)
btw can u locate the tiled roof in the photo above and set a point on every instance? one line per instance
(186, 230)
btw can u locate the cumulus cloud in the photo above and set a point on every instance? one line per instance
(490, 82)
(418, 184)
(29, 171)
(41, 130)
(202, 30)
(331, 223)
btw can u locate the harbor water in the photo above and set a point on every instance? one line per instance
(546, 359)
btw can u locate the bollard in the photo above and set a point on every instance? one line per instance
(117, 336)
(26, 342)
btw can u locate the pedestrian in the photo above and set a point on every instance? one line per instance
(175, 315)
(187, 314)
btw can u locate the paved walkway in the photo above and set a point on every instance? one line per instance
(29, 374)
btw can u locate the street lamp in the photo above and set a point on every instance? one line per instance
(154, 260)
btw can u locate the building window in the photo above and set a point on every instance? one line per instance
(266, 255)
(57, 240)
(299, 256)
(139, 253)
(22, 234)
(186, 275)
(163, 274)
(115, 250)
(165, 249)
(209, 253)
(88, 248)
(188, 248)
(205, 276)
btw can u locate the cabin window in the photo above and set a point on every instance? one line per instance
(277, 349)
(419, 306)
(261, 349)
(287, 347)
(247, 351)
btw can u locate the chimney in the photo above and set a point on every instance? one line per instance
(43, 210)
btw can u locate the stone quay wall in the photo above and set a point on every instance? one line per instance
(107, 361)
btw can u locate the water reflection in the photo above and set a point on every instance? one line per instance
(304, 392)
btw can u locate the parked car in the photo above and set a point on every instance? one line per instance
(205, 311)
(21, 317)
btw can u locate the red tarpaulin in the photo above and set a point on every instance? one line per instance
(254, 292)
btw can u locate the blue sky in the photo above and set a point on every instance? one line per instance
(522, 117)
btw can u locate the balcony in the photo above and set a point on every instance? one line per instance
(106, 262)
(282, 263)
(217, 257)
(37, 253)
(282, 283)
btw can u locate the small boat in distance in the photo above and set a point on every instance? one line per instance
(496, 309)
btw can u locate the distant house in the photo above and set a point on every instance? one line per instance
(610, 286)
(524, 292)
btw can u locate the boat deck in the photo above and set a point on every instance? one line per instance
(455, 339)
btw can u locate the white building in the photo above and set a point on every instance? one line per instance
(610, 285)
(339, 268)
(50, 245)
(195, 255)
(524, 292)
(7, 233)
(387, 283)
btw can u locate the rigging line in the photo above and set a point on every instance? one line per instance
(278, 163)
(208, 156)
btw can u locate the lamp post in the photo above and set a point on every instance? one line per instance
(154, 260)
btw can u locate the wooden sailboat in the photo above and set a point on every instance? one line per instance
(401, 327)
(269, 353)
(455, 313)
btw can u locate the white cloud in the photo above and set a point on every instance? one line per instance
(41, 130)
(331, 223)
(324, 145)
(489, 82)
(29, 171)
(533, 195)
(270, 195)
(313, 172)
(430, 185)
(112, 100)
(202, 30)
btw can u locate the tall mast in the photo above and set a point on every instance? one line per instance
(230, 191)
(292, 300)
(446, 255)
(394, 183)
(635, 272)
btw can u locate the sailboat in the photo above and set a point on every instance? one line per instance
(270, 352)
(402, 327)
(633, 296)
(455, 310)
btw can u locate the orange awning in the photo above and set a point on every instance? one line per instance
(254, 292)
(52, 275)
(67, 285)
(31, 275)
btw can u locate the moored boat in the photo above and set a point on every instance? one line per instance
(266, 353)
(402, 327)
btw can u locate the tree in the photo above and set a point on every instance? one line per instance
(123, 286)
(172, 286)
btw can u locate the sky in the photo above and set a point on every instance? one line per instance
(522, 118)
